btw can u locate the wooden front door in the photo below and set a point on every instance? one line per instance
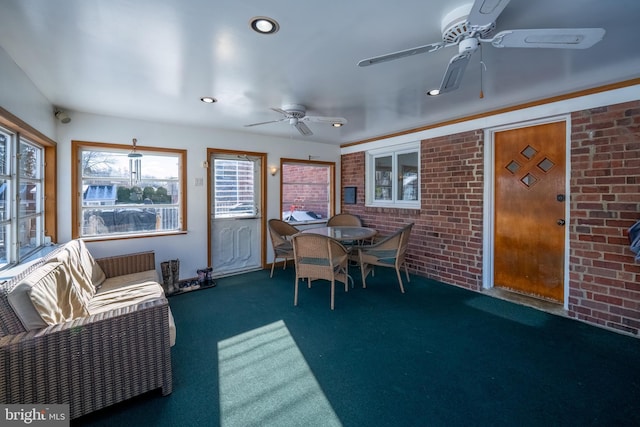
(529, 209)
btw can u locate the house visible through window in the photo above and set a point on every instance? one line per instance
(21, 197)
(124, 194)
(308, 190)
(393, 176)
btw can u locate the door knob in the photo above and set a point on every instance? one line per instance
(560, 222)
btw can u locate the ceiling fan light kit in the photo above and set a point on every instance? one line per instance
(469, 25)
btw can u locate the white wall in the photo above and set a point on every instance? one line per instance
(190, 248)
(21, 97)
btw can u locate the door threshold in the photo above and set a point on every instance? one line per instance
(527, 300)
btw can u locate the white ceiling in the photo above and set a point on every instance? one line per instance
(154, 59)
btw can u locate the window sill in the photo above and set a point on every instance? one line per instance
(302, 223)
(31, 259)
(131, 236)
(393, 206)
(393, 210)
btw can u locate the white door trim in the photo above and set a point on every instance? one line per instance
(489, 198)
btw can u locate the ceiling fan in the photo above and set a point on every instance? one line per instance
(469, 25)
(296, 115)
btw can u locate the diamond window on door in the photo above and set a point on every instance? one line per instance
(546, 165)
(529, 152)
(529, 180)
(513, 166)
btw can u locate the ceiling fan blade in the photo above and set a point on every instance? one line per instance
(561, 38)
(279, 110)
(264, 123)
(454, 73)
(402, 53)
(303, 129)
(485, 12)
(323, 119)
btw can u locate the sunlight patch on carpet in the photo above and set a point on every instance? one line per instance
(265, 381)
(509, 311)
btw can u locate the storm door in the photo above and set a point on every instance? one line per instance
(236, 183)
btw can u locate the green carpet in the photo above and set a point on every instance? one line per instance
(265, 380)
(437, 355)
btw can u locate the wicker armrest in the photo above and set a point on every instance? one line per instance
(120, 265)
(92, 362)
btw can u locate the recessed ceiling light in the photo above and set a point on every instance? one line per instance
(208, 100)
(337, 125)
(264, 25)
(433, 92)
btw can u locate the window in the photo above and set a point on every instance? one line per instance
(21, 197)
(307, 190)
(125, 193)
(393, 177)
(234, 188)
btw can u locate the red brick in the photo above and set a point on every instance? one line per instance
(604, 278)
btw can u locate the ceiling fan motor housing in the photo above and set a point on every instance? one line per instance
(455, 26)
(295, 111)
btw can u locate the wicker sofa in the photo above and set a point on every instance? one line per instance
(86, 332)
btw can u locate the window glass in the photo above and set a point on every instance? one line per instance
(5, 155)
(307, 189)
(4, 193)
(234, 188)
(407, 176)
(383, 169)
(4, 244)
(30, 161)
(124, 192)
(21, 198)
(5, 199)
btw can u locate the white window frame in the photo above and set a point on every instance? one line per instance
(24, 232)
(370, 176)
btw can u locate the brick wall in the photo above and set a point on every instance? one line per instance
(300, 190)
(605, 202)
(446, 242)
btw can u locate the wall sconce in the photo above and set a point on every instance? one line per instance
(273, 170)
(62, 116)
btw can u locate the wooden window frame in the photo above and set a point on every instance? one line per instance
(332, 185)
(76, 177)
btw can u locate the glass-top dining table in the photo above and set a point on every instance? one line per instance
(344, 233)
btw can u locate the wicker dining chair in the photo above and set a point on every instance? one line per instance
(320, 257)
(344, 219)
(387, 252)
(281, 233)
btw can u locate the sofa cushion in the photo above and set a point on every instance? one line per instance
(133, 279)
(90, 265)
(20, 301)
(127, 290)
(54, 296)
(70, 257)
(84, 270)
